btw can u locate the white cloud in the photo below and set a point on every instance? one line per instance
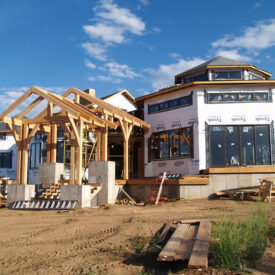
(105, 32)
(144, 2)
(175, 55)
(164, 75)
(121, 70)
(233, 54)
(91, 78)
(89, 64)
(122, 17)
(155, 29)
(95, 50)
(113, 23)
(256, 38)
(105, 78)
(258, 4)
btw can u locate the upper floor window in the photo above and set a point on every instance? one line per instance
(200, 77)
(3, 136)
(171, 144)
(238, 97)
(170, 104)
(227, 75)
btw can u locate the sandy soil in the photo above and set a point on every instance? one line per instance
(100, 241)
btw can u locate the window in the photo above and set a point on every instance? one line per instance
(200, 77)
(238, 97)
(239, 145)
(227, 75)
(254, 77)
(171, 144)
(6, 160)
(171, 104)
(35, 154)
(2, 136)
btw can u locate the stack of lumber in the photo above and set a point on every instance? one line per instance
(237, 194)
(52, 193)
(189, 241)
(6, 180)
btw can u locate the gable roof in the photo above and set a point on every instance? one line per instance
(124, 92)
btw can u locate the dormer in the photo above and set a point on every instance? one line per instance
(221, 68)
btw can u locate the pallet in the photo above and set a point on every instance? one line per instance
(189, 241)
(43, 205)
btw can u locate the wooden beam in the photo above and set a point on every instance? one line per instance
(53, 143)
(32, 133)
(75, 131)
(50, 109)
(79, 154)
(19, 156)
(14, 133)
(29, 107)
(104, 146)
(98, 145)
(13, 121)
(24, 156)
(48, 157)
(72, 165)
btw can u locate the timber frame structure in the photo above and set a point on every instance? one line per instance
(74, 118)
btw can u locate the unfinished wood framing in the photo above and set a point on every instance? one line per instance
(96, 115)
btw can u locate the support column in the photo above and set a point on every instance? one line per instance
(79, 154)
(48, 158)
(19, 157)
(72, 165)
(24, 155)
(98, 145)
(53, 143)
(104, 146)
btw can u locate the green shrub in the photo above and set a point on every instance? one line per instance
(239, 240)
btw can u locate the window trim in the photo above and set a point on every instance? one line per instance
(35, 155)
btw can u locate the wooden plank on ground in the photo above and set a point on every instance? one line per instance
(187, 241)
(164, 232)
(168, 253)
(199, 256)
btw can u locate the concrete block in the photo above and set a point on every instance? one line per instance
(50, 172)
(20, 192)
(244, 180)
(81, 193)
(231, 181)
(104, 172)
(218, 182)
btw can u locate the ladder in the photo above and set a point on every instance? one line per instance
(43, 205)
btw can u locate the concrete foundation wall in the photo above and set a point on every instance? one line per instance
(216, 183)
(20, 192)
(50, 172)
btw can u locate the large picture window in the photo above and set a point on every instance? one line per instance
(238, 97)
(171, 144)
(239, 145)
(35, 155)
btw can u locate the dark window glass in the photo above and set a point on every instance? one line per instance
(185, 142)
(153, 108)
(171, 144)
(230, 97)
(163, 145)
(232, 145)
(32, 155)
(217, 145)
(221, 75)
(261, 96)
(247, 145)
(235, 75)
(35, 155)
(163, 105)
(60, 133)
(214, 97)
(173, 103)
(60, 151)
(2, 136)
(6, 160)
(154, 146)
(174, 143)
(186, 100)
(245, 97)
(262, 145)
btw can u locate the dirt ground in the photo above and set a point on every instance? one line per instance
(100, 241)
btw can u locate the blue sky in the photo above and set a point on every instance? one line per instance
(137, 45)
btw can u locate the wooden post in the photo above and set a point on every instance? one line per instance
(98, 145)
(53, 143)
(104, 146)
(19, 155)
(72, 165)
(79, 154)
(48, 158)
(24, 155)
